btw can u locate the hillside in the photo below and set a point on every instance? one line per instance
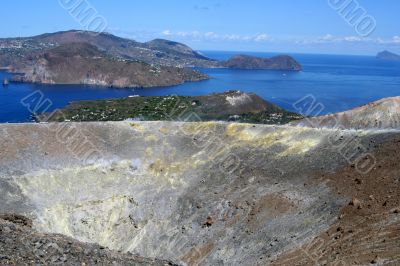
(175, 49)
(160, 52)
(382, 114)
(15, 51)
(282, 62)
(83, 63)
(229, 106)
(386, 55)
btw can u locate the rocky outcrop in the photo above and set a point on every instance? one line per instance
(386, 55)
(382, 114)
(282, 62)
(82, 63)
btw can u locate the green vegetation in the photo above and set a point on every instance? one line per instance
(177, 108)
(140, 108)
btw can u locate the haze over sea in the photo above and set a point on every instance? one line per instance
(337, 82)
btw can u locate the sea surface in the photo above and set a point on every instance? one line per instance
(333, 83)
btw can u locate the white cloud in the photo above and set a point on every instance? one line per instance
(354, 39)
(331, 38)
(210, 36)
(261, 37)
(327, 37)
(232, 37)
(394, 40)
(183, 34)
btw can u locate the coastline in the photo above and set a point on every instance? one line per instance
(20, 80)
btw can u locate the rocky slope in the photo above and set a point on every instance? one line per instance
(159, 52)
(386, 55)
(229, 106)
(207, 193)
(282, 62)
(82, 63)
(382, 114)
(21, 245)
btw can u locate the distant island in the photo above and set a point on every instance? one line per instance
(282, 62)
(228, 106)
(386, 55)
(82, 57)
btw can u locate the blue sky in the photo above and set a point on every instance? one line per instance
(302, 26)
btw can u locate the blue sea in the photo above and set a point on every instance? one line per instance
(335, 82)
